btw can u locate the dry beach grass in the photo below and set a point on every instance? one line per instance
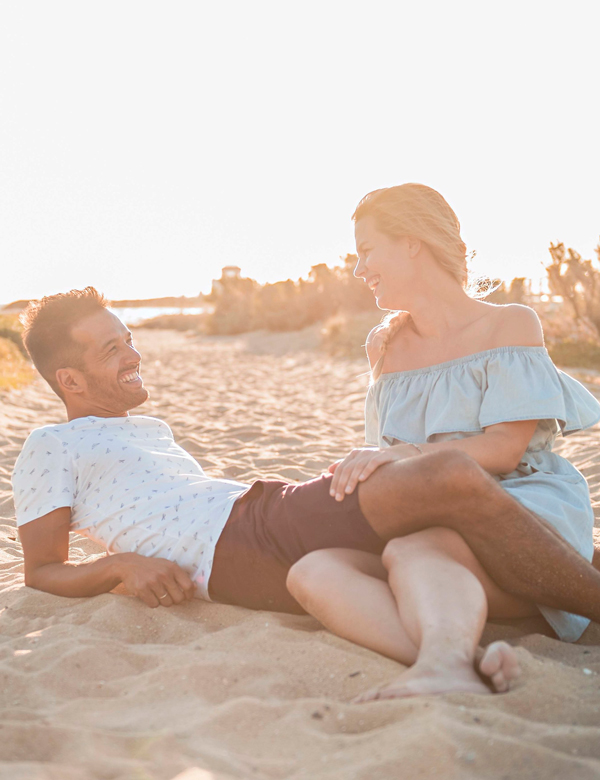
(107, 688)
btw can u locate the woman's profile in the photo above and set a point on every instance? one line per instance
(449, 371)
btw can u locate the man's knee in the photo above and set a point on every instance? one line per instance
(455, 472)
(444, 472)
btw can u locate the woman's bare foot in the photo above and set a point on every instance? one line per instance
(498, 663)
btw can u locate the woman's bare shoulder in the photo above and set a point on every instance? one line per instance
(516, 325)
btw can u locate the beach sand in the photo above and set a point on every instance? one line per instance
(107, 688)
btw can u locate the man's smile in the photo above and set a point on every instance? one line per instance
(131, 377)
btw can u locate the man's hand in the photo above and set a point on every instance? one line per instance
(360, 464)
(156, 581)
(46, 550)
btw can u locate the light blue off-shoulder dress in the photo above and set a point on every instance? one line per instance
(461, 397)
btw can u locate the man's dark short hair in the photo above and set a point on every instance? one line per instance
(48, 324)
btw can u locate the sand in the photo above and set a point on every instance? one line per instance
(108, 688)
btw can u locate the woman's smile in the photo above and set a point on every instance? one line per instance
(373, 281)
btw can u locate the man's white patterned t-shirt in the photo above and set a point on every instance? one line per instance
(130, 487)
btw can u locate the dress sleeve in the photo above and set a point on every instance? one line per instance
(526, 385)
(43, 477)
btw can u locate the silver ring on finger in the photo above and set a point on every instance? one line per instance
(163, 596)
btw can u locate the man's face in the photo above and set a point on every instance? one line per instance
(112, 383)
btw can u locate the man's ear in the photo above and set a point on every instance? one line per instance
(71, 381)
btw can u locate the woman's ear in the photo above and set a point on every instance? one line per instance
(414, 246)
(70, 381)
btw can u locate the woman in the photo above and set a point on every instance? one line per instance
(449, 371)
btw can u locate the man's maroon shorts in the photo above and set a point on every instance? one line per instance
(272, 526)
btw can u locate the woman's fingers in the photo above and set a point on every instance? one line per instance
(350, 476)
(348, 471)
(339, 476)
(371, 466)
(360, 465)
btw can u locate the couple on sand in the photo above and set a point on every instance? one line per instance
(456, 511)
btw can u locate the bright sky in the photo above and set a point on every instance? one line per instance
(144, 145)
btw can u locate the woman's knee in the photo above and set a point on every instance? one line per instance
(435, 539)
(309, 575)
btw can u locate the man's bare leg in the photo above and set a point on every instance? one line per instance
(596, 558)
(522, 553)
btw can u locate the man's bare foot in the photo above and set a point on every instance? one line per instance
(498, 663)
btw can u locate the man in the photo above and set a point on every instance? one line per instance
(173, 533)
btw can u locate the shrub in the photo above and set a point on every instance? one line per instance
(575, 354)
(577, 281)
(14, 370)
(11, 329)
(345, 334)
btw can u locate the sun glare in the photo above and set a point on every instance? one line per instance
(245, 135)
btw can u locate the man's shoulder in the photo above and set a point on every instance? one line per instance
(52, 431)
(44, 446)
(147, 421)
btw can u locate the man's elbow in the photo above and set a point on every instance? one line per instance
(32, 580)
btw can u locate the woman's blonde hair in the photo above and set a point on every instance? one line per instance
(418, 211)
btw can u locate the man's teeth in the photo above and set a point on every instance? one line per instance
(130, 377)
(374, 282)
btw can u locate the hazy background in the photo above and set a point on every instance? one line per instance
(145, 145)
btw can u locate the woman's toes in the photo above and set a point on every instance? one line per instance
(500, 663)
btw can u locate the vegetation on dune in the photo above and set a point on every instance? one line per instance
(240, 304)
(15, 368)
(345, 334)
(572, 327)
(346, 310)
(577, 281)
(331, 295)
(11, 329)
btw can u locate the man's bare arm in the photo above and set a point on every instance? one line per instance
(46, 549)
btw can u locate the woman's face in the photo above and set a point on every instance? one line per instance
(385, 263)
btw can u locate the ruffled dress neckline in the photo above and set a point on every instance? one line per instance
(463, 360)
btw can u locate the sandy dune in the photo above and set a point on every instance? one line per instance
(107, 688)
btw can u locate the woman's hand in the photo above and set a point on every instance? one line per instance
(361, 463)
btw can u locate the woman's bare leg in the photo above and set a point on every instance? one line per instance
(442, 596)
(347, 591)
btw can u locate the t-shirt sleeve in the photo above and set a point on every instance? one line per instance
(43, 478)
